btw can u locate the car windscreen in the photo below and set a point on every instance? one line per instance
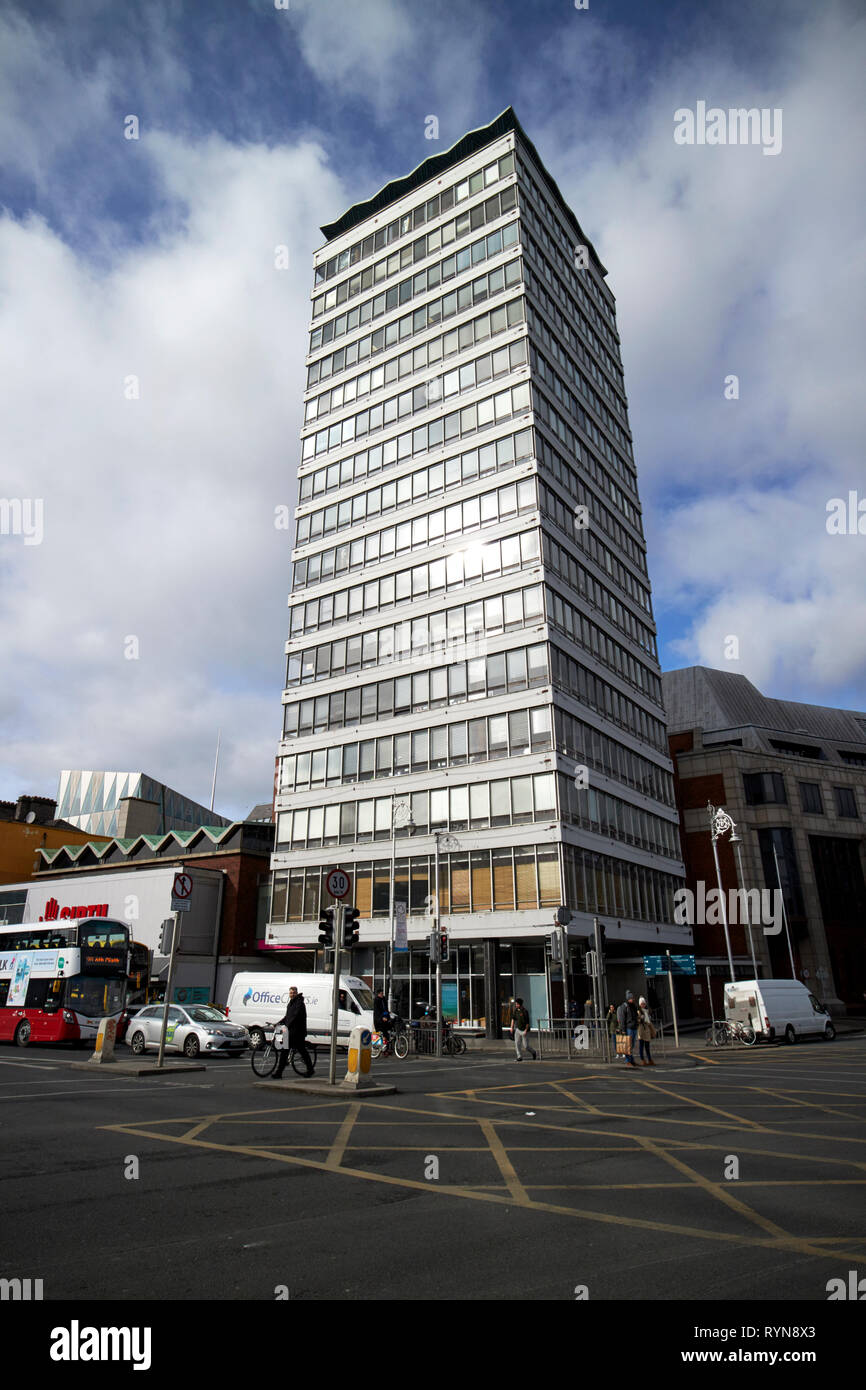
(206, 1013)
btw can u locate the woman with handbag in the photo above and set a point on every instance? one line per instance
(645, 1033)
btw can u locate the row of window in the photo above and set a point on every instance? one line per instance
(481, 415)
(587, 634)
(561, 344)
(488, 367)
(563, 515)
(563, 393)
(768, 788)
(574, 679)
(564, 563)
(477, 330)
(416, 285)
(476, 806)
(539, 213)
(591, 748)
(568, 360)
(560, 427)
(423, 750)
(422, 531)
(432, 481)
(478, 291)
(429, 392)
(416, 637)
(438, 477)
(610, 815)
(458, 227)
(474, 679)
(459, 570)
(423, 213)
(563, 311)
(558, 561)
(499, 880)
(521, 878)
(609, 887)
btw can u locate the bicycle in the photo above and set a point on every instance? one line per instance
(453, 1044)
(723, 1032)
(265, 1057)
(393, 1044)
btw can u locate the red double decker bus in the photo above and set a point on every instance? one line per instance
(58, 980)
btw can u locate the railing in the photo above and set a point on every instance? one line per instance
(586, 1038)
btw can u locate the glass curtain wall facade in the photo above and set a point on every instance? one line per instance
(471, 663)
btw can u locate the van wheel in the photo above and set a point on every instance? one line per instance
(790, 1035)
(829, 1033)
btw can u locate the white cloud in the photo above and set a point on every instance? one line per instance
(158, 511)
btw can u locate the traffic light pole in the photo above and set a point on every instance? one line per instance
(175, 933)
(339, 918)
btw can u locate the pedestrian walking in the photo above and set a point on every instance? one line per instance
(645, 1033)
(520, 1030)
(626, 1017)
(295, 1019)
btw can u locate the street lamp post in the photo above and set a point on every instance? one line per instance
(720, 824)
(450, 844)
(736, 841)
(401, 816)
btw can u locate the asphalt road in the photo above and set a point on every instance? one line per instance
(480, 1179)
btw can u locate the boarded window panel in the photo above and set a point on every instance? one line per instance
(363, 889)
(459, 882)
(548, 878)
(278, 903)
(524, 872)
(482, 897)
(503, 880)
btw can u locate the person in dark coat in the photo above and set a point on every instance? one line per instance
(295, 1019)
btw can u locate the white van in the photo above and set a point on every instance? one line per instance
(778, 1009)
(258, 1000)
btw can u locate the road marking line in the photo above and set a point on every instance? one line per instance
(504, 1164)
(31, 1066)
(717, 1191)
(338, 1148)
(202, 1125)
(603, 1218)
(740, 1119)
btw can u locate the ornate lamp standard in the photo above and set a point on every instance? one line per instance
(736, 841)
(720, 824)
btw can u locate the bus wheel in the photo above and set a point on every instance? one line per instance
(22, 1034)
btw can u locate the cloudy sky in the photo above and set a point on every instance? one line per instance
(153, 612)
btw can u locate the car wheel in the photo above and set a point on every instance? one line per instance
(22, 1033)
(790, 1035)
(257, 1038)
(138, 1043)
(191, 1047)
(829, 1033)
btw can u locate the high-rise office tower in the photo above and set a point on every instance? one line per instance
(472, 677)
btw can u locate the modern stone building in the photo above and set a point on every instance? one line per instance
(793, 779)
(472, 679)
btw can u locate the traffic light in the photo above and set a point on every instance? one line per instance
(434, 946)
(555, 945)
(350, 929)
(443, 945)
(326, 929)
(166, 936)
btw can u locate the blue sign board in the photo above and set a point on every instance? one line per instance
(678, 965)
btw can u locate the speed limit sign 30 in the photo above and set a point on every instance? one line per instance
(338, 884)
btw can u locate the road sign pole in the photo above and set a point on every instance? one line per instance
(673, 1003)
(339, 918)
(175, 933)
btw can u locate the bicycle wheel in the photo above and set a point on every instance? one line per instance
(720, 1037)
(297, 1060)
(401, 1045)
(458, 1045)
(264, 1060)
(747, 1035)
